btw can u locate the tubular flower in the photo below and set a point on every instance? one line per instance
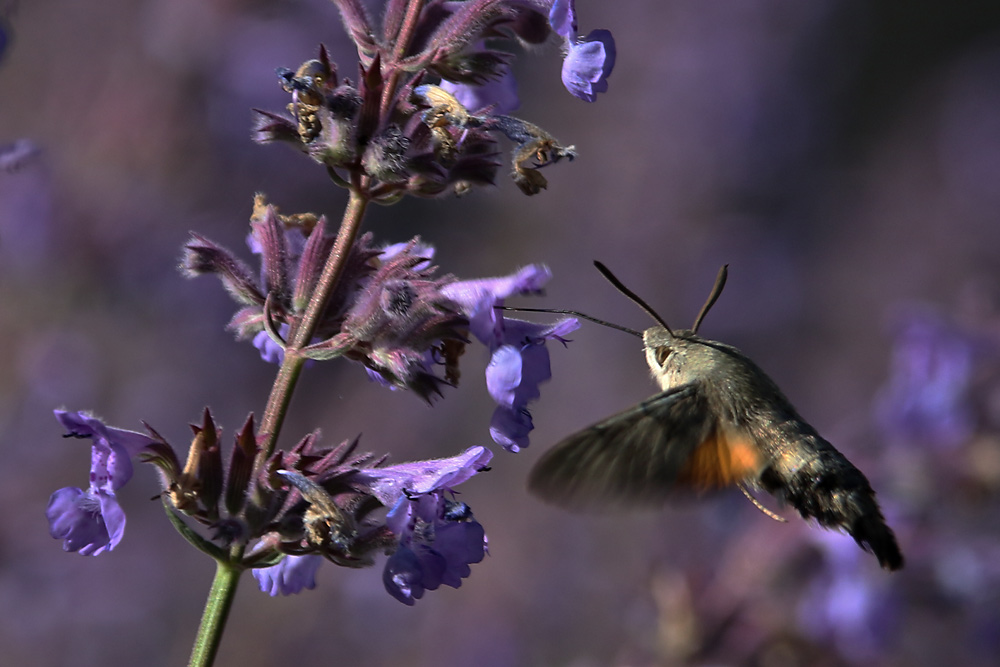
(91, 522)
(589, 61)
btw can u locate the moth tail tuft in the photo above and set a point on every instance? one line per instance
(874, 536)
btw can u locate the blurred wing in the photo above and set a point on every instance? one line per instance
(665, 446)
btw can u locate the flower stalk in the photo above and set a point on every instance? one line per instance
(213, 619)
(291, 367)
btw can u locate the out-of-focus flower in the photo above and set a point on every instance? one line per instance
(926, 396)
(845, 604)
(499, 95)
(91, 522)
(589, 61)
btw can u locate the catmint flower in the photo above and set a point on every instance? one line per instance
(91, 522)
(497, 95)
(390, 312)
(519, 359)
(290, 576)
(437, 538)
(516, 369)
(432, 540)
(589, 61)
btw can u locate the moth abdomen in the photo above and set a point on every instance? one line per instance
(830, 489)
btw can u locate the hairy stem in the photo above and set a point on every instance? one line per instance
(213, 620)
(299, 336)
(402, 45)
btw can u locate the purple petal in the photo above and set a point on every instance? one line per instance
(562, 18)
(418, 477)
(459, 543)
(82, 520)
(290, 576)
(111, 451)
(510, 428)
(420, 249)
(588, 64)
(432, 567)
(403, 576)
(83, 425)
(110, 467)
(503, 374)
(476, 298)
(498, 94)
(535, 370)
(270, 351)
(514, 374)
(400, 518)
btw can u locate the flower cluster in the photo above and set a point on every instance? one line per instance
(424, 117)
(389, 312)
(305, 505)
(394, 132)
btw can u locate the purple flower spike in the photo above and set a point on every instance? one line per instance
(516, 369)
(289, 577)
(500, 95)
(588, 65)
(92, 521)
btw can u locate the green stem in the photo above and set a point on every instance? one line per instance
(213, 620)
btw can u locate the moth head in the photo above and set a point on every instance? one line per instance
(670, 352)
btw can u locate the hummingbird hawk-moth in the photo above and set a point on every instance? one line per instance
(719, 421)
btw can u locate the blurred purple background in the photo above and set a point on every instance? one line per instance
(842, 157)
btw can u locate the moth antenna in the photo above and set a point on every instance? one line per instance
(632, 295)
(572, 312)
(720, 282)
(767, 512)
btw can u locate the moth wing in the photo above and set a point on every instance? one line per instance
(635, 456)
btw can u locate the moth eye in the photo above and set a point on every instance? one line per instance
(661, 355)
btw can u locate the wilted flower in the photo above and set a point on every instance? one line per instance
(92, 521)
